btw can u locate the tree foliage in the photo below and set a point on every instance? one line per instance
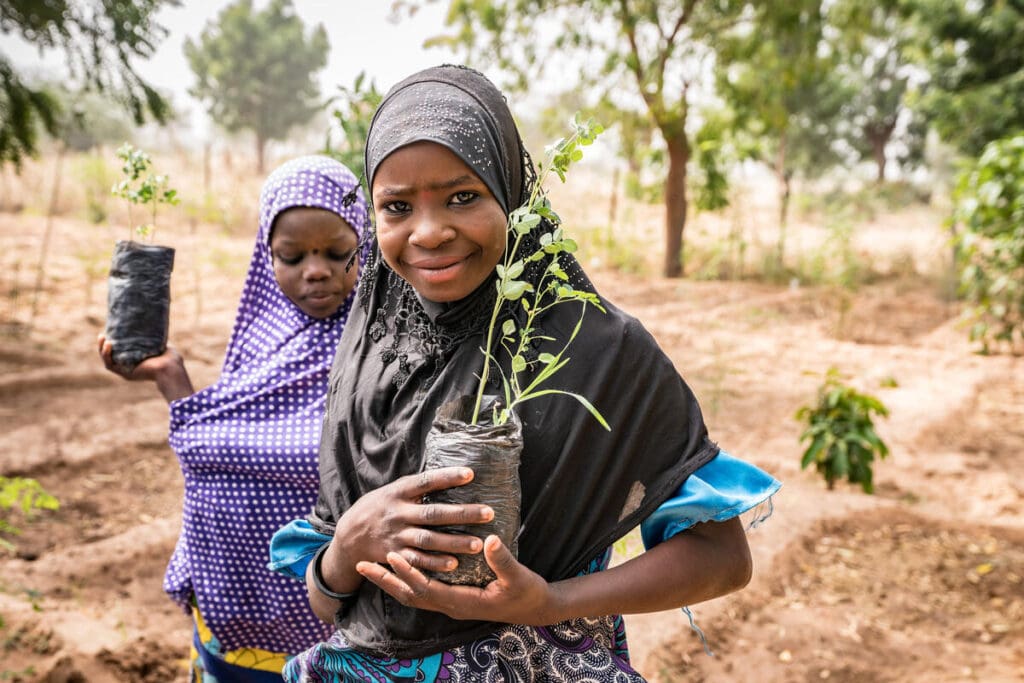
(783, 90)
(643, 55)
(99, 39)
(990, 210)
(255, 70)
(873, 43)
(353, 111)
(974, 53)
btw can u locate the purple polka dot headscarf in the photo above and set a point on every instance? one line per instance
(248, 444)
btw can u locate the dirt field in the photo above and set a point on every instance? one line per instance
(924, 581)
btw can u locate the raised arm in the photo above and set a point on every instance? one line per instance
(167, 370)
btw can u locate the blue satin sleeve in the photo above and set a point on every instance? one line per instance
(722, 489)
(293, 546)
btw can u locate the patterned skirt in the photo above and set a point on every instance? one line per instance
(579, 650)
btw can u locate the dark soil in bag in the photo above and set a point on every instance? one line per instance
(492, 452)
(138, 301)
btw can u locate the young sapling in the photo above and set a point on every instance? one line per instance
(553, 287)
(138, 294)
(492, 448)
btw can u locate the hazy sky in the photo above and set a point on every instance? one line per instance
(361, 37)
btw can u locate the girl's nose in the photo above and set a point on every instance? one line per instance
(316, 268)
(429, 232)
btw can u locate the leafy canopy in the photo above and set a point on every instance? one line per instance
(353, 112)
(989, 205)
(256, 70)
(99, 40)
(974, 52)
(644, 56)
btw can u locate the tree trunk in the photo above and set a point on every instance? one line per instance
(675, 203)
(613, 206)
(878, 151)
(878, 134)
(783, 176)
(261, 146)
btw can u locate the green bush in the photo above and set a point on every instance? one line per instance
(25, 494)
(989, 212)
(842, 437)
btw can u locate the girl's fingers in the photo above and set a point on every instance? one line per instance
(430, 561)
(415, 486)
(403, 581)
(448, 514)
(420, 538)
(499, 558)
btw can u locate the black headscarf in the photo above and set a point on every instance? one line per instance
(401, 357)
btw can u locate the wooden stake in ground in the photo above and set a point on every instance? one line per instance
(45, 247)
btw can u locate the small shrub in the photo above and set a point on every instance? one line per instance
(28, 496)
(842, 437)
(989, 205)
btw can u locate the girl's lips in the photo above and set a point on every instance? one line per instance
(436, 263)
(439, 270)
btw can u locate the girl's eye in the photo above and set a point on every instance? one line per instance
(395, 208)
(289, 259)
(464, 197)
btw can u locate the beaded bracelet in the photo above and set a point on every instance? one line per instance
(318, 578)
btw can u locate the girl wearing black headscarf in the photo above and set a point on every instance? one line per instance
(445, 166)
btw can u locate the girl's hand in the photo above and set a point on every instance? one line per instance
(517, 596)
(167, 370)
(394, 520)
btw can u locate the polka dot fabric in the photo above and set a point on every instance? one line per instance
(248, 444)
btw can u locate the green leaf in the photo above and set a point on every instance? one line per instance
(513, 289)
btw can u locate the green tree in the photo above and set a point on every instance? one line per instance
(255, 70)
(647, 56)
(974, 53)
(871, 42)
(783, 92)
(99, 39)
(354, 109)
(990, 210)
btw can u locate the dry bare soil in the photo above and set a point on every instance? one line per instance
(920, 582)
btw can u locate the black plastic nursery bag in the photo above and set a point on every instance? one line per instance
(138, 301)
(492, 452)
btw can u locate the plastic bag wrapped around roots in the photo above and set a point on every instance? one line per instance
(493, 453)
(138, 302)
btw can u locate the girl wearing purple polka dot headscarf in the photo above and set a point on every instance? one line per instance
(248, 444)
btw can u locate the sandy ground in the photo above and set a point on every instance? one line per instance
(924, 581)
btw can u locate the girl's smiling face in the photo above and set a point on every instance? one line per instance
(310, 248)
(438, 225)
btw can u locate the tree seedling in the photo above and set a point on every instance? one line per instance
(28, 496)
(843, 441)
(140, 187)
(552, 288)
